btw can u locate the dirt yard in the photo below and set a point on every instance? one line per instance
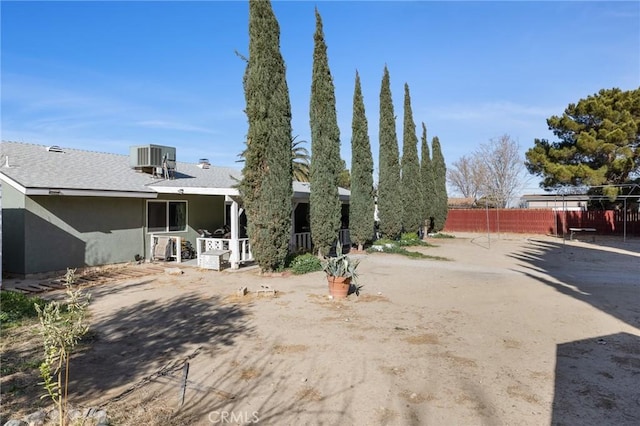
(515, 330)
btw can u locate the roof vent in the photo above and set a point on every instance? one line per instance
(204, 163)
(54, 148)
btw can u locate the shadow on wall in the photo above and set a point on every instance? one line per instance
(32, 245)
(597, 381)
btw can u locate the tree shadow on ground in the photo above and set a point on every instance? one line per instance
(596, 381)
(604, 277)
(252, 382)
(149, 337)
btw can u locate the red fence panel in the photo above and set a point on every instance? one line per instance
(542, 221)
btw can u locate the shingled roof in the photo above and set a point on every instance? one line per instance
(36, 169)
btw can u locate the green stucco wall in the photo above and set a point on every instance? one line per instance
(13, 247)
(63, 232)
(51, 233)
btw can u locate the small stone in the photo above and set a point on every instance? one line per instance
(173, 271)
(74, 414)
(37, 418)
(304, 380)
(379, 293)
(101, 418)
(53, 415)
(241, 291)
(14, 422)
(413, 395)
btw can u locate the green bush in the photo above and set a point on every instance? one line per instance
(305, 263)
(441, 235)
(14, 307)
(406, 240)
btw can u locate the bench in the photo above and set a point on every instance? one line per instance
(574, 230)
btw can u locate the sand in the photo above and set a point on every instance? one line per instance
(511, 330)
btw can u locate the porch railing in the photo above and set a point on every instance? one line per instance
(239, 254)
(301, 241)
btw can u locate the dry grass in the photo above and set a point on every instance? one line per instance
(249, 374)
(423, 339)
(416, 398)
(308, 394)
(289, 349)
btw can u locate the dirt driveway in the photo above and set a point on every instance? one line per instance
(512, 331)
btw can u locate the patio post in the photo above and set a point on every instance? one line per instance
(235, 243)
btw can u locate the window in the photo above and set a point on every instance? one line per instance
(166, 216)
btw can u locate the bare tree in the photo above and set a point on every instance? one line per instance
(495, 171)
(467, 176)
(505, 170)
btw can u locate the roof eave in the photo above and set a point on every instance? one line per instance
(195, 190)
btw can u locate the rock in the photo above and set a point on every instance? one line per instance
(101, 418)
(14, 422)
(241, 291)
(53, 415)
(74, 414)
(173, 271)
(36, 419)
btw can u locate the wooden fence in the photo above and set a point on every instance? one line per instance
(530, 221)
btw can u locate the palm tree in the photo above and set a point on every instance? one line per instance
(300, 160)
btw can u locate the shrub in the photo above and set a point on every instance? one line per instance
(305, 263)
(441, 235)
(61, 327)
(14, 307)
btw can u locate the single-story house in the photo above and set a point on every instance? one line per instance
(66, 207)
(555, 202)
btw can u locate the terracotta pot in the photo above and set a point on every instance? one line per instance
(339, 286)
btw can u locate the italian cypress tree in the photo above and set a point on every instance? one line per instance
(325, 206)
(426, 179)
(441, 208)
(389, 195)
(267, 174)
(361, 204)
(411, 188)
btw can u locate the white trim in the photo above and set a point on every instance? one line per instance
(76, 192)
(13, 183)
(194, 190)
(88, 193)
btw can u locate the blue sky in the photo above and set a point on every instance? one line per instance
(103, 76)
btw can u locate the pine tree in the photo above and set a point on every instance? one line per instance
(389, 195)
(361, 204)
(326, 165)
(441, 208)
(426, 179)
(411, 191)
(267, 174)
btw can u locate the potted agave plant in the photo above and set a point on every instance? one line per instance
(341, 271)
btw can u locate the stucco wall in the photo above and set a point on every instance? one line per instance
(51, 233)
(13, 247)
(63, 232)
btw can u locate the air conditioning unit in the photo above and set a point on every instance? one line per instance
(144, 156)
